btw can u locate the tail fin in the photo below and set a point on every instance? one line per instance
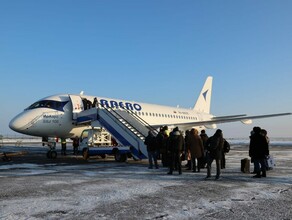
(203, 103)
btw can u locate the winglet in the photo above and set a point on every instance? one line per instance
(203, 103)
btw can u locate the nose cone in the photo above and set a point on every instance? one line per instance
(16, 124)
(20, 122)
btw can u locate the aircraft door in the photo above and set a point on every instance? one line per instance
(77, 105)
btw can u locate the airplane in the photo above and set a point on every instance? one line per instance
(55, 116)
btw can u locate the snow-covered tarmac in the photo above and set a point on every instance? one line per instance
(34, 187)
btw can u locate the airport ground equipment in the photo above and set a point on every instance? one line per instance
(97, 141)
(6, 156)
(124, 125)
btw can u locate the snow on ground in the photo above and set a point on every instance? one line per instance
(70, 188)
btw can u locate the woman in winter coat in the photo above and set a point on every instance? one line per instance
(196, 148)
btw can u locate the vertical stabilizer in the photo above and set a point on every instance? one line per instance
(203, 103)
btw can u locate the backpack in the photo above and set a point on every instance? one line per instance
(212, 144)
(226, 146)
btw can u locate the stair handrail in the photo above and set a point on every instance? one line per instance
(151, 128)
(107, 109)
(128, 129)
(131, 129)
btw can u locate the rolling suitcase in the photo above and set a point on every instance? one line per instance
(245, 165)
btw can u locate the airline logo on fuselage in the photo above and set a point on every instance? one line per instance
(122, 105)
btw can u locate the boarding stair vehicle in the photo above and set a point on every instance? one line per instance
(124, 125)
(98, 141)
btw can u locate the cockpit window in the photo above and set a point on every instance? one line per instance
(56, 105)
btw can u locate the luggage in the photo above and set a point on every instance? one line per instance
(270, 162)
(226, 146)
(245, 165)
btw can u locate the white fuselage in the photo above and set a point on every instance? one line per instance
(52, 116)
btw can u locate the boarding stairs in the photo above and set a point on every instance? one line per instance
(127, 127)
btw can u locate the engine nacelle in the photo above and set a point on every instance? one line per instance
(246, 121)
(211, 126)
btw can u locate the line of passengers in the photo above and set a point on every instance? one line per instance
(199, 150)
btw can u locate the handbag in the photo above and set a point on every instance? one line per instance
(270, 162)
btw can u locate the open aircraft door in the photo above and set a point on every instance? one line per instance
(77, 105)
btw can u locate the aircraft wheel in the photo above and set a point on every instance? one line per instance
(53, 154)
(120, 157)
(103, 156)
(49, 154)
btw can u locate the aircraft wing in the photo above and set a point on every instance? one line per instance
(232, 118)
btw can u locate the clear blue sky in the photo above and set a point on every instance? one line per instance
(152, 51)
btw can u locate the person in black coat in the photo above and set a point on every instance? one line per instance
(204, 137)
(161, 141)
(258, 151)
(214, 147)
(175, 143)
(75, 145)
(150, 142)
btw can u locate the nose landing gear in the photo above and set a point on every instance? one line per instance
(52, 153)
